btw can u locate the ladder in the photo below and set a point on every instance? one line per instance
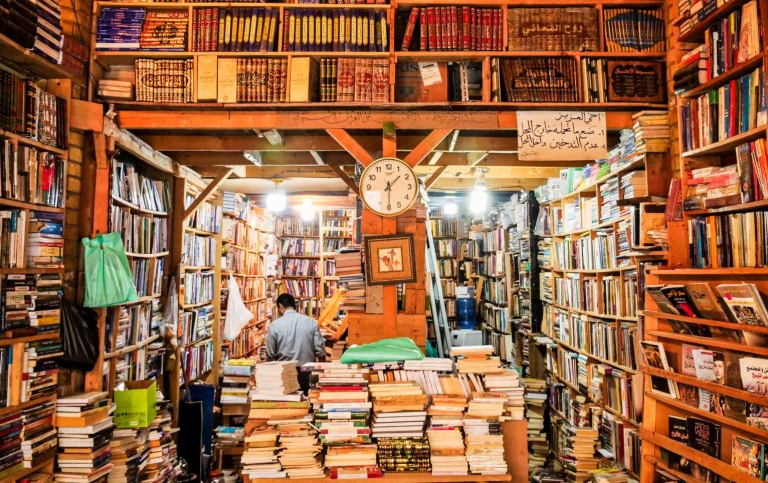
(436, 300)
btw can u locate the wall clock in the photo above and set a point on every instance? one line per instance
(388, 186)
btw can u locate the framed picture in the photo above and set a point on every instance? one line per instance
(389, 259)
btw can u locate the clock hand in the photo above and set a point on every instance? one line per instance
(389, 198)
(388, 188)
(393, 182)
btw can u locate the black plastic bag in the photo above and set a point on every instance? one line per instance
(79, 336)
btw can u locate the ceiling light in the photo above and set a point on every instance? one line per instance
(307, 210)
(276, 199)
(450, 208)
(253, 156)
(478, 200)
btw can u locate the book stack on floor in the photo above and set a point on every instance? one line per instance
(235, 384)
(359, 460)
(40, 369)
(477, 359)
(349, 269)
(446, 441)
(84, 440)
(161, 461)
(577, 454)
(399, 409)
(507, 383)
(38, 435)
(130, 452)
(259, 458)
(651, 129)
(483, 438)
(535, 409)
(275, 378)
(300, 449)
(428, 372)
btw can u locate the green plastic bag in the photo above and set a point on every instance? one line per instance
(108, 278)
(384, 350)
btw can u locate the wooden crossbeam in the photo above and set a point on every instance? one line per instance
(426, 146)
(474, 158)
(351, 145)
(454, 139)
(346, 179)
(213, 171)
(223, 175)
(318, 157)
(434, 177)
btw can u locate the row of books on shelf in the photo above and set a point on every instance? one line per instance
(138, 189)
(132, 28)
(40, 367)
(32, 112)
(31, 300)
(447, 268)
(350, 80)
(729, 241)
(444, 227)
(250, 288)
(196, 360)
(722, 113)
(583, 252)
(198, 287)
(495, 291)
(299, 247)
(140, 233)
(207, 217)
(300, 288)
(338, 30)
(199, 251)
(234, 29)
(496, 318)
(454, 28)
(147, 276)
(149, 88)
(603, 295)
(243, 262)
(738, 303)
(609, 340)
(296, 227)
(31, 176)
(196, 324)
(238, 232)
(298, 267)
(35, 26)
(446, 248)
(129, 325)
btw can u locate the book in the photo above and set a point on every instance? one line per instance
(746, 306)
(678, 431)
(748, 456)
(654, 356)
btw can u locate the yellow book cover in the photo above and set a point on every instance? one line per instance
(353, 34)
(272, 28)
(348, 33)
(259, 27)
(341, 30)
(222, 22)
(304, 31)
(246, 22)
(311, 25)
(227, 80)
(372, 30)
(318, 29)
(228, 31)
(360, 29)
(291, 26)
(252, 30)
(384, 34)
(364, 26)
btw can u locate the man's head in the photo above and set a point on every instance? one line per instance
(285, 302)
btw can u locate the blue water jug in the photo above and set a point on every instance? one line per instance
(465, 313)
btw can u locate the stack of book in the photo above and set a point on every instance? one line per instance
(115, 90)
(712, 187)
(429, 372)
(484, 446)
(84, 440)
(651, 130)
(476, 359)
(19, 23)
(148, 89)
(162, 448)
(633, 185)
(30, 302)
(578, 451)
(300, 450)
(340, 390)
(349, 269)
(130, 452)
(40, 368)
(259, 458)
(38, 435)
(507, 384)
(275, 378)
(119, 28)
(691, 70)
(447, 452)
(48, 39)
(13, 459)
(399, 409)
(236, 380)
(535, 409)
(352, 459)
(45, 243)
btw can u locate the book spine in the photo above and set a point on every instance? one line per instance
(432, 28)
(423, 29)
(409, 28)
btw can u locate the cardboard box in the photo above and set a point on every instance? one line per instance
(410, 88)
(137, 405)
(305, 79)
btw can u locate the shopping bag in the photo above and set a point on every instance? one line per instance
(79, 336)
(108, 278)
(238, 314)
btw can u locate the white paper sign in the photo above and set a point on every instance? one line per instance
(561, 135)
(430, 73)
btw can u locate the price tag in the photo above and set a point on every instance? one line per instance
(430, 73)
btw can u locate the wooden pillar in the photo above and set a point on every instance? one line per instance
(389, 227)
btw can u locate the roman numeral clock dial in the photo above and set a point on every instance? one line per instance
(388, 186)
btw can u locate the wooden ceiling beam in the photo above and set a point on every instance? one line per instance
(509, 173)
(351, 146)
(220, 178)
(292, 142)
(434, 177)
(346, 179)
(496, 159)
(286, 172)
(426, 146)
(466, 184)
(332, 119)
(213, 171)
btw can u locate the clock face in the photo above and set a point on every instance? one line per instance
(388, 186)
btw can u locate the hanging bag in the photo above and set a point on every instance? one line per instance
(238, 314)
(79, 336)
(108, 278)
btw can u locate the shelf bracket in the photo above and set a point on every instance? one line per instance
(426, 146)
(345, 178)
(223, 175)
(347, 142)
(434, 177)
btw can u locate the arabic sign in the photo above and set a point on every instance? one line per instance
(561, 135)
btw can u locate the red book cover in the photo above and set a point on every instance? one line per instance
(195, 30)
(380, 80)
(466, 26)
(487, 30)
(423, 30)
(735, 91)
(473, 28)
(409, 28)
(432, 28)
(438, 30)
(446, 27)
(286, 28)
(454, 29)
(496, 30)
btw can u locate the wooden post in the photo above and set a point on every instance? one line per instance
(389, 227)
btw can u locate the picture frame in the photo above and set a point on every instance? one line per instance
(390, 259)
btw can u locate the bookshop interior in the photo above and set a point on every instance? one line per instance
(487, 241)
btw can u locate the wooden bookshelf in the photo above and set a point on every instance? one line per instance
(101, 61)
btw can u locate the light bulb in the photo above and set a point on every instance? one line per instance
(450, 208)
(276, 201)
(477, 201)
(307, 210)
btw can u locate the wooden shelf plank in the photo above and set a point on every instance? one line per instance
(712, 323)
(405, 477)
(752, 206)
(146, 255)
(464, 55)
(745, 67)
(736, 273)
(733, 346)
(25, 405)
(26, 471)
(31, 338)
(604, 361)
(709, 386)
(25, 61)
(686, 478)
(132, 348)
(727, 145)
(30, 270)
(135, 208)
(696, 33)
(25, 141)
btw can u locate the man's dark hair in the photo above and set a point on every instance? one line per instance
(287, 301)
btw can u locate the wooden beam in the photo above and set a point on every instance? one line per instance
(274, 137)
(496, 184)
(435, 157)
(292, 158)
(287, 172)
(318, 157)
(353, 147)
(454, 140)
(213, 171)
(426, 146)
(344, 119)
(474, 158)
(434, 177)
(494, 159)
(510, 173)
(207, 191)
(346, 179)
(86, 116)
